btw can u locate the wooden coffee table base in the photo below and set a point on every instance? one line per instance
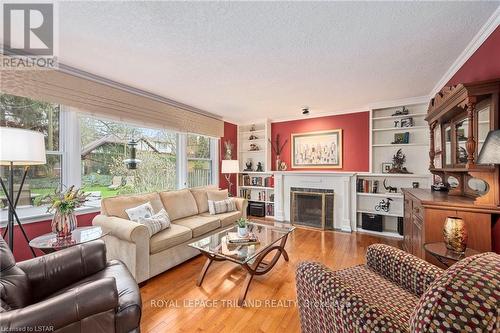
(259, 266)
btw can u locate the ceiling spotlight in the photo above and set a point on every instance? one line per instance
(305, 111)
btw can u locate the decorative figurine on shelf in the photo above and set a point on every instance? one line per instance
(228, 150)
(375, 186)
(406, 122)
(259, 167)
(389, 188)
(396, 123)
(400, 112)
(248, 165)
(278, 148)
(462, 155)
(253, 137)
(254, 147)
(283, 166)
(384, 205)
(252, 128)
(398, 161)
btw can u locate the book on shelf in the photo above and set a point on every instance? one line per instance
(270, 209)
(367, 186)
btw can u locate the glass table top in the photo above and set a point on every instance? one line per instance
(439, 249)
(78, 236)
(267, 236)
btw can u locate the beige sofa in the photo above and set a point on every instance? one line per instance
(146, 257)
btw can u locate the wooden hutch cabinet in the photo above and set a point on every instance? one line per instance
(459, 119)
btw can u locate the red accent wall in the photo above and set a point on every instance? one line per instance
(21, 248)
(483, 65)
(231, 134)
(356, 142)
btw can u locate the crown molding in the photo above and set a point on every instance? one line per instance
(399, 102)
(486, 30)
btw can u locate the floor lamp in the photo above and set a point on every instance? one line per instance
(229, 167)
(18, 147)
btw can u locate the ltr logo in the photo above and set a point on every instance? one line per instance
(28, 29)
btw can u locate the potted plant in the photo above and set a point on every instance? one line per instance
(63, 205)
(242, 224)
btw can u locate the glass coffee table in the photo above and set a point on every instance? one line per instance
(272, 238)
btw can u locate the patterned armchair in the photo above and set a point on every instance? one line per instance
(398, 292)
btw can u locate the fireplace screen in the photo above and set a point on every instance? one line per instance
(312, 207)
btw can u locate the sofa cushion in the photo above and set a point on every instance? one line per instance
(199, 224)
(223, 206)
(200, 195)
(226, 219)
(165, 239)
(156, 223)
(141, 211)
(465, 296)
(179, 204)
(115, 206)
(217, 195)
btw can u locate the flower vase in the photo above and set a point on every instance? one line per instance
(242, 232)
(63, 224)
(455, 234)
(278, 162)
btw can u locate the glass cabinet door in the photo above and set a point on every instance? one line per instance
(462, 134)
(447, 145)
(483, 124)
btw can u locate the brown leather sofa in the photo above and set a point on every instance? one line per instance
(73, 290)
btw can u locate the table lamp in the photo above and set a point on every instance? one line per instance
(229, 167)
(18, 147)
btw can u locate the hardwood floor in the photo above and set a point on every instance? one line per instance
(173, 303)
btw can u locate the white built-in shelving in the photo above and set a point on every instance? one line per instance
(257, 134)
(382, 135)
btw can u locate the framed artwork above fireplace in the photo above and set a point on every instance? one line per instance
(317, 149)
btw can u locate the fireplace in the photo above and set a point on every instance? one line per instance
(312, 207)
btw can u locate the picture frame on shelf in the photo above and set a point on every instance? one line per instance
(315, 150)
(386, 167)
(401, 138)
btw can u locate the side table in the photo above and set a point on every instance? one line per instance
(48, 243)
(447, 257)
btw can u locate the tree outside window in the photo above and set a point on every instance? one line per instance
(199, 160)
(26, 113)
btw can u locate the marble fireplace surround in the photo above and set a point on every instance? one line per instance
(342, 183)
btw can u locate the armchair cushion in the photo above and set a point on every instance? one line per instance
(65, 308)
(128, 305)
(467, 295)
(15, 288)
(402, 268)
(50, 273)
(349, 300)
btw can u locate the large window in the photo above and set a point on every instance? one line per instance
(89, 152)
(42, 117)
(200, 160)
(104, 147)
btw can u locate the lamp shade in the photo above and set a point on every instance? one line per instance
(21, 147)
(490, 152)
(230, 166)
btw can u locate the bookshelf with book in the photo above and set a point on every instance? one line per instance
(258, 187)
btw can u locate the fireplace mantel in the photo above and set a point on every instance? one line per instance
(343, 184)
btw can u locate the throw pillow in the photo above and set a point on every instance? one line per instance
(156, 223)
(222, 206)
(217, 195)
(144, 210)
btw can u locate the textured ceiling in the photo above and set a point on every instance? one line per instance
(250, 60)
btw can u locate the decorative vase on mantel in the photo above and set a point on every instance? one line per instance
(455, 234)
(278, 162)
(63, 224)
